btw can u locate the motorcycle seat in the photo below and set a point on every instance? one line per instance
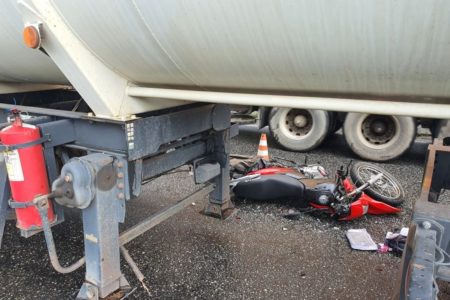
(270, 187)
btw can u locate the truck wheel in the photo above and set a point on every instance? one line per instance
(335, 123)
(299, 129)
(379, 138)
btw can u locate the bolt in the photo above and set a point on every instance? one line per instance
(120, 175)
(426, 225)
(120, 185)
(121, 196)
(68, 177)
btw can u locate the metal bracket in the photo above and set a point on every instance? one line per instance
(15, 204)
(205, 169)
(42, 140)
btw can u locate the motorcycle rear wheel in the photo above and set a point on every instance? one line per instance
(387, 189)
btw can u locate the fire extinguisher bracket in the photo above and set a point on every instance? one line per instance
(37, 200)
(44, 139)
(15, 204)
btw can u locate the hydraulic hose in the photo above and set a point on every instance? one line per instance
(42, 206)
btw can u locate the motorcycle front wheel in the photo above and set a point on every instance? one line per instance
(387, 189)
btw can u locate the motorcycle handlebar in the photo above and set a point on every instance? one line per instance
(375, 179)
(366, 185)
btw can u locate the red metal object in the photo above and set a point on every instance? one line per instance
(366, 205)
(272, 171)
(26, 172)
(324, 208)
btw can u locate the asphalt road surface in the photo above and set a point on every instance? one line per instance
(255, 254)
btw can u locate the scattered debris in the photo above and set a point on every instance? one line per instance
(394, 242)
(292, 214)
(404, 231)
(360, 239)
(382, 248)
(379, 268)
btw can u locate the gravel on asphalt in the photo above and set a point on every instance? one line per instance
(254, 254)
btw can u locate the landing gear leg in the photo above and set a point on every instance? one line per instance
(220, 205)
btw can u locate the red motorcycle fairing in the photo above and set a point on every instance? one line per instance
(322, 207)
(272, 171)
(366, 205)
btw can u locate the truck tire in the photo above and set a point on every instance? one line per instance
(335, 123)
(299, 129)
(379, 138)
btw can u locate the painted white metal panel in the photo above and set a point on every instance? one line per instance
(424, 110)
(381, 47)
(18, 63)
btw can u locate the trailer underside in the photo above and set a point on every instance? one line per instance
(123, 155)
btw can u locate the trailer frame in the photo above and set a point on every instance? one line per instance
(124, 154)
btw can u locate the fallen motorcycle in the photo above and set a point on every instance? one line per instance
(371, 190)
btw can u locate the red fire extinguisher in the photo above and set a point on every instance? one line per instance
(27, 175)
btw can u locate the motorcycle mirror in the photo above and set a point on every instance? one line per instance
(339, 173)
(348, 167)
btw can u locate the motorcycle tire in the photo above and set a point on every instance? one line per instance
(387, 189)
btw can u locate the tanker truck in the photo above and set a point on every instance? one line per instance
(99, 97)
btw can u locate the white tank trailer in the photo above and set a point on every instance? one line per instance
(385, 61)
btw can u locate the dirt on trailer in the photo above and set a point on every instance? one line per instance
(255, 254)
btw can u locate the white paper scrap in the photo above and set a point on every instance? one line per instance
(360, 239)
(404, 231)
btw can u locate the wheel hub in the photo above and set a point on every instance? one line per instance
(378, 130)
(298, 122)
(378, 127)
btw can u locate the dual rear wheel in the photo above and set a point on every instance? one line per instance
(372, 137)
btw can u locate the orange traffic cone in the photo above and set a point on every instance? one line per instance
(263, 149)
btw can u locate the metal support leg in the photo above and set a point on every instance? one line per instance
(219, 204)
(101, 231)
(430, 228)
(4, 196)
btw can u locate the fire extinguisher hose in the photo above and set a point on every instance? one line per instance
(41, 203)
